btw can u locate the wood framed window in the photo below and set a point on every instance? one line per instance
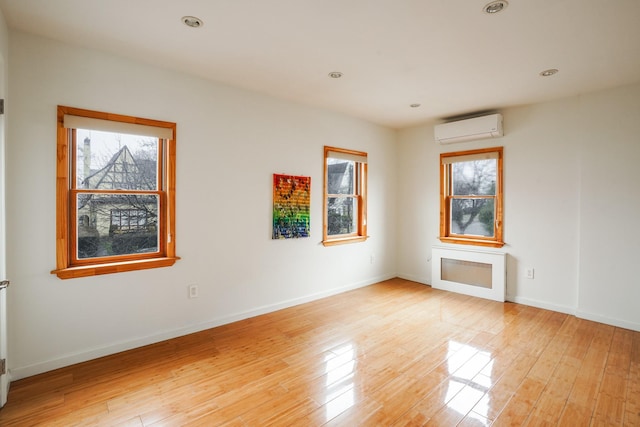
(471, 185)
(115, 193)
(345, 196)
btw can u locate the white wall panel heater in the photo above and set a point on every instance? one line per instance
(472, 272)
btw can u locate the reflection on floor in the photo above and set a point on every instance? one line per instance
(395, 353)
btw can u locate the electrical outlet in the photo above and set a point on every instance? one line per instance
(193, 291)
(372, 259)
(529, 273)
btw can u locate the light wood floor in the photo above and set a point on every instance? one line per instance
(393, 354)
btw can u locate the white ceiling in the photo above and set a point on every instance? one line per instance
(447, 55)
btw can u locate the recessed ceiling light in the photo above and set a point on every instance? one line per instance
(415, 105)
(335, 74)
(192, 21)
(549, 72)
(495, 7)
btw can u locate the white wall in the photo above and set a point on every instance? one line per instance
(610, 207)
(571, 200)
(230, 142)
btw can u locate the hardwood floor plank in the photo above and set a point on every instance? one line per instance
(358, 414)
(521, 404)
(396, 353)
(575, 415)
(632, 399)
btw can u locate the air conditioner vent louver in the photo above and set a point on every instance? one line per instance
(476, 128)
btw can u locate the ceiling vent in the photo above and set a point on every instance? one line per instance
(470, 129)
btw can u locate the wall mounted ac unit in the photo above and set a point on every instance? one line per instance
(470, 129)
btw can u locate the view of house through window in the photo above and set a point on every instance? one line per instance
(115, 193)
(342, 202)
(471, 202)
(345, 195)
(119, 222)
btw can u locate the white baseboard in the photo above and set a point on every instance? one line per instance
(94, 353)
(542, 304)
(576, 312)
(413, 278)
(608, 320)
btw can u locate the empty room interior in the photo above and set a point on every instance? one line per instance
(418, 212)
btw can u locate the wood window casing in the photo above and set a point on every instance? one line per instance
(446, 197)
(359, 194)
(68, 264)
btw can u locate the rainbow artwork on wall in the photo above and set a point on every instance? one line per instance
(291, 206)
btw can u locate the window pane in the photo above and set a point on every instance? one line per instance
(340, 176)
(116, 224)
(474, 217)
(342, 215)
(108, 161)
(477, 177)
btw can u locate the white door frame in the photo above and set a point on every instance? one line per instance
(4, 376)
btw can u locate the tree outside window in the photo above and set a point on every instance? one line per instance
(471, 197)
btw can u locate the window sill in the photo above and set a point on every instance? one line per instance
(344, 240)
(114, 267)
(474, 242)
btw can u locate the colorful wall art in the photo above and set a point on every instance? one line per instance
(291, 206)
